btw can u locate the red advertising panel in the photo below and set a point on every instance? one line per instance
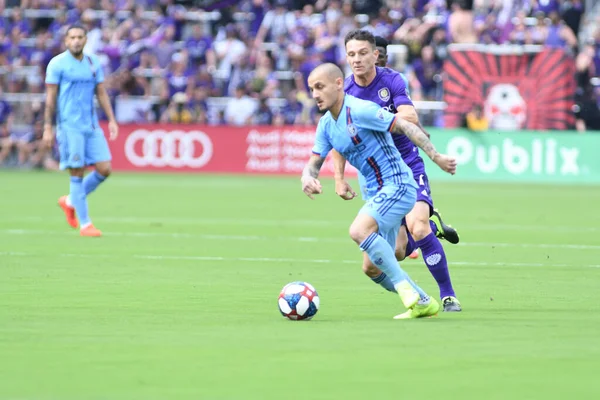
(516, 91)
(195, 148)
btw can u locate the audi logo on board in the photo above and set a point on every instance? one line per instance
(160, 148)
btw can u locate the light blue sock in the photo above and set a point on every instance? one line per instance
(92, 181)
(385, 282)
(382, 255)
(77, 195)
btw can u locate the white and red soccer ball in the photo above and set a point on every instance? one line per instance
(298, 301)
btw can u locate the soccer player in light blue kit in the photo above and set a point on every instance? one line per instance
(72, 80)
(357, 129)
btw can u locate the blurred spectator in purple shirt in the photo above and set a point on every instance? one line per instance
(263, 115)
(545, 6)
(197, 45)
(425, 70)
(180, 78)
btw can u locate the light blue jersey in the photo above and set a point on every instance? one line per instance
(361, 135)
(80, 139)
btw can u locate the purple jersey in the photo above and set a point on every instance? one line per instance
(389, 90)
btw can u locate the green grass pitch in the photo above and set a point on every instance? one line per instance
(179, 299)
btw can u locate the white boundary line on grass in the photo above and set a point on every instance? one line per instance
(293, 222)
(279, 260)
(289, 238)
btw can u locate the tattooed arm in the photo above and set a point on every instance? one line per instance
(310, 183)
(419, 138)
(409, 113)
(416, 135)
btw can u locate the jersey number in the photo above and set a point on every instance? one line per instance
(380, 198)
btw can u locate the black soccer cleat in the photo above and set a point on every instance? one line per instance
(451, 304)
(444, 231)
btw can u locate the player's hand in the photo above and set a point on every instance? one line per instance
(446, 163)
(113, 130)
(48, 137)
(311, 186)
(344, 190)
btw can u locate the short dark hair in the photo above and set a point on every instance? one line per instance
(360, 34)
(381, 42)
(76, 26)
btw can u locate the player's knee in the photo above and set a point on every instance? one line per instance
(104, 170)
(420, 229)
(359, 232)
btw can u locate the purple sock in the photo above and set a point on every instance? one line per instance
(433, 227)
(435, 259)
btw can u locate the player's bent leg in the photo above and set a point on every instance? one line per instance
(385, 212)
(104, 168)
(97, 154)
(364, 232)
(369, 268)
(376, 275)
(405, 244)
(78, 199)
(417, 221)
(96, 177)
(401, 243)
(431, 248)
(66, 203)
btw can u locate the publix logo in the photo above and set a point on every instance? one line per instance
(540, 156)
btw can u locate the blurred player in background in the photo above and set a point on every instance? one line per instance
(72, 80)
(358, 129)
(389, 89)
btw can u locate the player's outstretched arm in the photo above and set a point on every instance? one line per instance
(342, 188)
(419, 138)
(310, 183)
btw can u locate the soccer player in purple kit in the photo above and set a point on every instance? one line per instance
(389, 89)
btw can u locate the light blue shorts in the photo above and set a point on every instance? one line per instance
(388, 207)
(80, 149)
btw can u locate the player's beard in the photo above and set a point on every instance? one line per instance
(76, 53)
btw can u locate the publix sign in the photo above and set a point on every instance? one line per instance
(541, 156)
(521, 156)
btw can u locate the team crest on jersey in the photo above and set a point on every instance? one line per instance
(384, 94)
(352, 131)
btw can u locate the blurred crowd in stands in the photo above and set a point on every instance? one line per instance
(242, 62)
